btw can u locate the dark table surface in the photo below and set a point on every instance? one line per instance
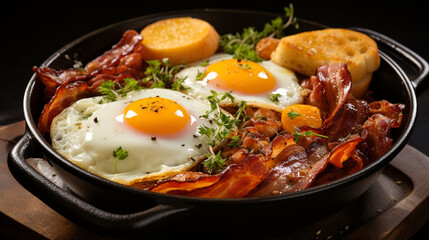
(33, 31)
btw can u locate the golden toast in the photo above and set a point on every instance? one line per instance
(306, 51)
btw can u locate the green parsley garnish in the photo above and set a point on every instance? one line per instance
(160, 74)
(200, 75)
(292, 114)
(297, 134)
(205, 63)
(130, 85)
(274, 97)
(220, 135)
(119, 154)
(107, 88)
(215, 163)
(242, 45)
(178, 84)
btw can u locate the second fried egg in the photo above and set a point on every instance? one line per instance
(263, 84)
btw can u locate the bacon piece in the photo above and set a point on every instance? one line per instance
(237, 180)
(253, 139)
(63, 98)
(379, 142)
(390, 110)
(345, 150)
(331, 88)
(332, 173)
(110, 62)
(186, 181)
(317, 97)
(130, 39)
(348, 120)
(337, 84)
(52, 78)
(296, 169)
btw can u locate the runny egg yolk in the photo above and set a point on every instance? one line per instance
(239, 75)
(156, 115)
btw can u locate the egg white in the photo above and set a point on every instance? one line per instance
(87, 133)
(287, 86)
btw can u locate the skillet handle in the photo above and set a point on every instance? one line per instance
(416, 68)
(76, 209)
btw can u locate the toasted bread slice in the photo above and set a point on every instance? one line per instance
(181, 40)
(306, 51)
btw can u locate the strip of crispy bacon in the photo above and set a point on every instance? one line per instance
(300, 168)
(186, 181)
(379, 142)
(331, 87)
(130, 39)
(391, 110)
(385, 116)
(63, 98)
(237, 180)
(348, 120)
(53, 78)
(345, 150)
(337, 85)
(106, 62)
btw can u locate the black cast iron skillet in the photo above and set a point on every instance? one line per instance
(112, 208)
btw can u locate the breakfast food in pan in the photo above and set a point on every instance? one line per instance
(226, 123)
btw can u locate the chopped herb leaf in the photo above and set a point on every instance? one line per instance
(204, 63)
(274, 97)
(178, 84)
(119, 154)
(297, 135)
(292, 114)
(242, 45)
(200, 76)
(214, 163)
(107, 88)
(160, 74)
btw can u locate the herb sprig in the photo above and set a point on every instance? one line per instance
(297, 134)
(161, 74)
(119, 154)
(112, 90)
(222, 134)
(242, 45)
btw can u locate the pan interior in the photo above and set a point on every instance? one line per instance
(388, 82)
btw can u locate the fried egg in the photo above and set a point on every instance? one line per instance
(157, 127)
(263, 84)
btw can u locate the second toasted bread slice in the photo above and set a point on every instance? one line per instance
(306, 51)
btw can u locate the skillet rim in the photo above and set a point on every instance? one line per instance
(87, 176)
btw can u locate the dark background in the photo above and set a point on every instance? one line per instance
(31, 32)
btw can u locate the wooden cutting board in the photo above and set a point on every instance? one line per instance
(394, 207)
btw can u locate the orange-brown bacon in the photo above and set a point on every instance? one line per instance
(64, 97)
(52, 78)
(330, 89)
(237, 180)
(64, 87)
